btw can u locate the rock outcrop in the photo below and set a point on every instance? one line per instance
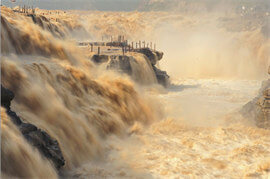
(100, 58)
(153, 56)
(6, 97)
(122, 63)
(259, 108)
(162, 76)
(38, 138)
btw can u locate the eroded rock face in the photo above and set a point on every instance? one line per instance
(121, 63)
(153, 56)
(100, 58)
(6, 97)
(259, 108)
(159, 55)
(162, 76)
(38, 138)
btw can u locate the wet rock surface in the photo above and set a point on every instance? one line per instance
(38, 138)
(162, 76)
(259, 108)
(122, 63)
(100, 58)
(153, 56)
(6, 97)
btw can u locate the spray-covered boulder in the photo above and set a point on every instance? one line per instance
(38, 138)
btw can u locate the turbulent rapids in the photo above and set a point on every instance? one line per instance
(68, 112)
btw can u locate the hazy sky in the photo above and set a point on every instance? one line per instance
(105, 5)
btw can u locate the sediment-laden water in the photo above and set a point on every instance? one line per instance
(108, 125)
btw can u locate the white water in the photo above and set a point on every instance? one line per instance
(201, 136)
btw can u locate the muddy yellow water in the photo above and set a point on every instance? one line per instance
(208, 139)
(109, 126)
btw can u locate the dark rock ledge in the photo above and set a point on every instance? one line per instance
(38, 138)
(155, 56)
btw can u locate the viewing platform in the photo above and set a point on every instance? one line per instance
(119, 46)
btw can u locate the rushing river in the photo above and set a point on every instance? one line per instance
(201, 136)
(108, 125)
